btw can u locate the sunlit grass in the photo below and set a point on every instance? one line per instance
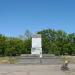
(7, 60)
(71, 59)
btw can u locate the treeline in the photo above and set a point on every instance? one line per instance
(12, 46)
(55, 42)
(58, 42)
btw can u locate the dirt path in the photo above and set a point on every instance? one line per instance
(35, 70)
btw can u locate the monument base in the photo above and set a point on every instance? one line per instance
(46, 59)
(36, 51)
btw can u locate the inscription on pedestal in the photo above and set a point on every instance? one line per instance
(36, 45)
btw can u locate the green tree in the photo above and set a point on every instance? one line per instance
(2, 44)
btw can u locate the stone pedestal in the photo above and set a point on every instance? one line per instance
(36, 45)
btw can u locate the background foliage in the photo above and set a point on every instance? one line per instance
(55, 42)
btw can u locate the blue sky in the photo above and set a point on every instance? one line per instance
(17, 16)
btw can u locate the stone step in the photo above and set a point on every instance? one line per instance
(34, 59)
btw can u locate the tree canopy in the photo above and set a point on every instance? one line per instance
(55, 42)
